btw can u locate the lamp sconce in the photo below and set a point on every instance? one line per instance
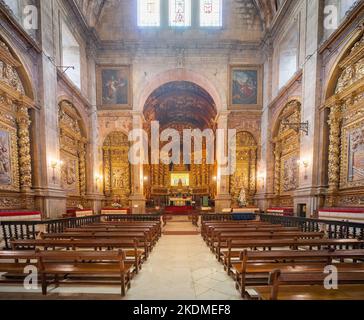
(54, 164)
(301, 126)
(214, 178)
(98, 178)
(262, 181)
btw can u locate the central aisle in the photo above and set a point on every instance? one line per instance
(182, 267)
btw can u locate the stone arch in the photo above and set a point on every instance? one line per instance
(335, 72)
(73, 147)
(80, 112)
(277, 117)
(13, 58)
(180, 75)
(286, 153)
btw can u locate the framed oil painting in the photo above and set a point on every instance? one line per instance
(9, 170)
(245, 87)
(356, 156)
(114, 89)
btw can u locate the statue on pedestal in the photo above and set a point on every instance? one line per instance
(242, 198)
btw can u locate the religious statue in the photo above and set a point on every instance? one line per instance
(242, 198)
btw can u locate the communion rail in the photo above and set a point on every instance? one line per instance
(23, 230)
(333, 229)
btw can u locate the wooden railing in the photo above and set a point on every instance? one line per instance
(332, 228)
(227, 216)
(22, 230)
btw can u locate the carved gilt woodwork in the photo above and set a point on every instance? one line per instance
(246, 162)
(73, 150)
(15, 156)
(346, 137)
(287, 151)
(116, 167)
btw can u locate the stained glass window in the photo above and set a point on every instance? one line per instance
(149, 13)
(180, 13)
(210, 13)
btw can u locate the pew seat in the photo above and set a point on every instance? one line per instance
(308, 292)
(87, 263)
(288, 285)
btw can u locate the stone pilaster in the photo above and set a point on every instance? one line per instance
(223, 197)
(137, 197)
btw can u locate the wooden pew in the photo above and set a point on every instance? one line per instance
(213, 230)
(99, 263)
(134, 255)
(152, 235)
(221, 239)
(231, 244)
(237, 224)
(259, 264)
(155, 224)
(155, 228)
(13, 265)
(310, 286)
(141, 237)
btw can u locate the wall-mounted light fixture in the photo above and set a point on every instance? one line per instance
(54, 164)
(98, 178)
(299, 126)
(261, 180)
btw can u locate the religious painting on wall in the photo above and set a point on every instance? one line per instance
(5, 159)
(70, 174)
(245, 86)
(114, 87)
(356, 155)
(9, 166)
(290, 173)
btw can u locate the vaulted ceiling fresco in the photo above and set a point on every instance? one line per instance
(181, 102)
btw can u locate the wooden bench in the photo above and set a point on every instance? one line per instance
(95, 263)
(310, 286)
(141, 237)
(13, 265)
(221, 239)
(258, 265)
(151, 234)
(133, 255)
(237, 224)
(214, 230)
(229, 254)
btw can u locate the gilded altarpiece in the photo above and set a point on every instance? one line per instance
(346, 123)
(246, 167)
(116, 168)
(200, 174)
(287, 155)
(73, 154)
(15, 158)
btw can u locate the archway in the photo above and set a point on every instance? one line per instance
(175, 75)
(181, 105)
(346, 135)
(286, 154)
(73, 142)
(16, 99)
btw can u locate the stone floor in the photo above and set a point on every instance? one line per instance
(180, 267)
